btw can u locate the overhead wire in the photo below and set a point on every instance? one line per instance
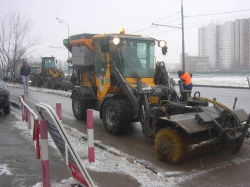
(217, 13)
(142, 29)
(156, 22)
(167, 17)
(194, 22)
(51, 51)
(230, 18)
(172, 21)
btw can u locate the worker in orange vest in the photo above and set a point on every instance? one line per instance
(186, 79)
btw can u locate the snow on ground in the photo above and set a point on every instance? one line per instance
(211, 80)
(5, 170)
(105, 161)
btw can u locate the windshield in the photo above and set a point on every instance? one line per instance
(49, 63)
(33, 70)
(134, 55)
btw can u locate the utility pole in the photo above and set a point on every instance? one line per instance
(65, 23)
(183, 42)
(182, 28)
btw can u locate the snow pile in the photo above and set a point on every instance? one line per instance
(45, 90)
(227, 81)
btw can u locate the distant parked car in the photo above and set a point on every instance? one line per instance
(4, 98)
(66, 84)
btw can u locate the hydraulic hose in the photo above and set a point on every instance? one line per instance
(218, 104)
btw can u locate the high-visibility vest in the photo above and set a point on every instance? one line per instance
(187, 78)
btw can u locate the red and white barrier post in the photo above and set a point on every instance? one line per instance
(44, 153)
(90, 132)
(59, 110)
(22, 107)
(37, 139)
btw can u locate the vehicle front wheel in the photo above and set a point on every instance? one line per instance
(116, 116)
(47, 82)
(6, 109)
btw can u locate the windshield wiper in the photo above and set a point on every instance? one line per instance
(126, 63)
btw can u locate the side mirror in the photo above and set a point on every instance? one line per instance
(104, 45)
(164, 50)
(56, 61)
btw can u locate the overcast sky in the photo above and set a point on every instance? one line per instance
(136, 16)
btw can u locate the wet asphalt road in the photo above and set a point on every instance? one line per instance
(216, 169)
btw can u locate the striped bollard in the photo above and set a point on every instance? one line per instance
(44, 153)
(36, 138)
(22, 107)
(59, 110)
(90, 132)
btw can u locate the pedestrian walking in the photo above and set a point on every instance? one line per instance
(25, 72)
(186, 79)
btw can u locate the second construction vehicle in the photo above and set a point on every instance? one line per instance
(117, 75)
(47, 74)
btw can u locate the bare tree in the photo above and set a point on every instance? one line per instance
(16, 39)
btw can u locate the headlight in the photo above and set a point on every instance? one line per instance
(116, 41)
(162, 43)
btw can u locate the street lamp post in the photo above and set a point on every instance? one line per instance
(182, 28)
(183, 43)
(65, 23)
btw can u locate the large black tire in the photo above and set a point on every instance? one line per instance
(80, 107)
(116, 116)
(47, 82)
(6, 109)
(37, 82)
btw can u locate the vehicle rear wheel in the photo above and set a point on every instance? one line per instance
(80, 107)
(6, 109)
(116, 116)
(170, 146)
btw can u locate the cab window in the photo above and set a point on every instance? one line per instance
(99, 58)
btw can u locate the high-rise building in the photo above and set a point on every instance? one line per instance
(227, 45)
(208, 44)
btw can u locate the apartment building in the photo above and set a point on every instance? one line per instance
(227, 45)
(208, 44)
